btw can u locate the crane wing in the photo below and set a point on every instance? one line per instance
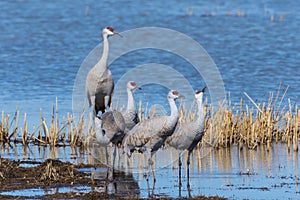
(147, 130)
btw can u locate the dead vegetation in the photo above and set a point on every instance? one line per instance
(249, 125)
(56, 174)
(253, 125)
(50, 172)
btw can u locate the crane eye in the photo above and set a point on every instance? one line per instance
(175, 93)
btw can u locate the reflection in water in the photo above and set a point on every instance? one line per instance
(296, 164)
(230, 172)
(17, 151)
(118, 182)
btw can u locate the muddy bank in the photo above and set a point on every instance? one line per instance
(57, 174)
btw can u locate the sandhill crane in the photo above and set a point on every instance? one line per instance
(130, 115)
(110, 128)
(113, 124)
(99, 81)
(188, 135)
(149, 135)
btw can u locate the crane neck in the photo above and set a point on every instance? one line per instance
(130, 101)
(102, 64)
(200, 111)
(174, 109)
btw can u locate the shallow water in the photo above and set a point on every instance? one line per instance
(42, 46)
(46, 191)
(230, 172)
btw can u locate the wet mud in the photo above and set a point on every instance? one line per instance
(52, 174)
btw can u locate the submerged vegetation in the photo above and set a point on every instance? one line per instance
(246, 125)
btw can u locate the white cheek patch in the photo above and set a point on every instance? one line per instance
(197, 95)
(109, 32)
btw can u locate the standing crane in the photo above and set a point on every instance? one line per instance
(99, 81)
(130, 115)
(149, 135)
(110, 128)
(188, 135)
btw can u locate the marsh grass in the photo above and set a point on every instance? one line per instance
(247, 124)
(253, 124)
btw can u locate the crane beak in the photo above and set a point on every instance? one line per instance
(138, 88)
(118, 34)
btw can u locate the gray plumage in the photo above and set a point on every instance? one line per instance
(187, 135)
(130, 114)
(101, 137)
(99, 81)
(112, 128)
(151, 134)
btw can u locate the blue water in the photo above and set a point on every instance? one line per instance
(46, 191)
(43, 45)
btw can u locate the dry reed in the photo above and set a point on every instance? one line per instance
(252, 126)
(246, 125)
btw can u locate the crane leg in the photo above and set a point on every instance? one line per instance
(147, 168)
(188, 173)
(119, 159)
(107, 162)
(151, 163)
(114, 160)
(179, 173)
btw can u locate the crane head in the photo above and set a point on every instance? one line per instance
(131, 85)
(110, 31)
(174, 94)
(199, 93)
